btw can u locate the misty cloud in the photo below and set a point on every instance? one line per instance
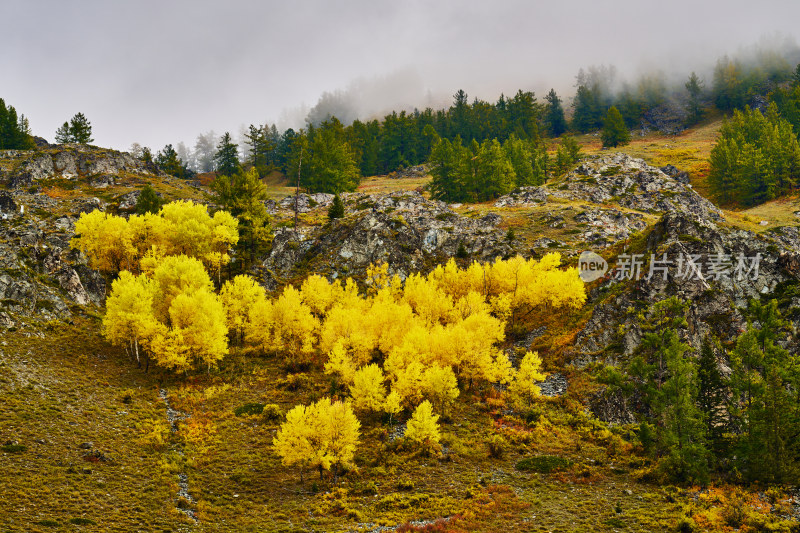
(162, 72)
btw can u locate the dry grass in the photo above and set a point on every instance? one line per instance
(70, 387)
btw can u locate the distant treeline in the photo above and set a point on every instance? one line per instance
(331, 156)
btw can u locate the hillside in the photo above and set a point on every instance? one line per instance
(91, 442)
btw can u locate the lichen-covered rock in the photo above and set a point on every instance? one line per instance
(72, 161)
(406, 230)
(716, 292)
(622, 180)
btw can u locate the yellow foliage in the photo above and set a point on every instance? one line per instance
(432, 305)
(320, 295)
(423, 428)
(340, 362)
(129, 318)
(439, 385)
(529, 374)
(294, 327)
(200, 318)
(178, 274)
(367, 390)
(105, 240)
(258, 327)
(112, 243)
(238, 296)
(323, 434)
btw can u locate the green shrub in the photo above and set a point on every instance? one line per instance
(13, 448)
(82, 521)
(249, 409)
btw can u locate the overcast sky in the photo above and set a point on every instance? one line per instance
(158, 72)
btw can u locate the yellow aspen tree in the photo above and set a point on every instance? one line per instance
(178, 274)
(258, 327)
(423, 429)
(293, 440)
(323, 435)
(392, 405)
(408, 382)
(341, 363)
(439, 385)
(105, 240)
(525, 387)
(294, 326)
(368, 391)
(320, 295)
(170, 351)
(129, 318)
(200, 317)
(238, 296)
(342, 436)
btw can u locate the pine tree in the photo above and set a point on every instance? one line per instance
(764, 408)
(168, 161)
(615, 133)
(148, 201)
(554, 114)
(328, 163)
(711, 394)
(588, 110)
(336, 209)
(694, 86)
(568, 153)
(448, 168)
(756, 158)
(63, 134)
(260, 148)
(80, 129)
(14, 130)
(226, 159)
(680, 428)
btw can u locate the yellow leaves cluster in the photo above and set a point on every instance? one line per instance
(324, 434)
(423, 428)
(173, 315)
(112, 243)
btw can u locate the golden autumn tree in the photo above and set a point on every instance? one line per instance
(200, 318)
(239, 295)
(439, 385)
(105, 240)
(423, 429)
(525, 385)
(322, 435)
(112, 243)
(368, 391)
(130, 319)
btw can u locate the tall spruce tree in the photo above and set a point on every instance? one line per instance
(554, 114)
(712, 394)
(14, 130)
(227, 157)
(168, 160)
(694, 86)
(615, 133)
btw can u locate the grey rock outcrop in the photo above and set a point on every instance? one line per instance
(72, 161)
(622, 180)
(404, 229)
(733, 266)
